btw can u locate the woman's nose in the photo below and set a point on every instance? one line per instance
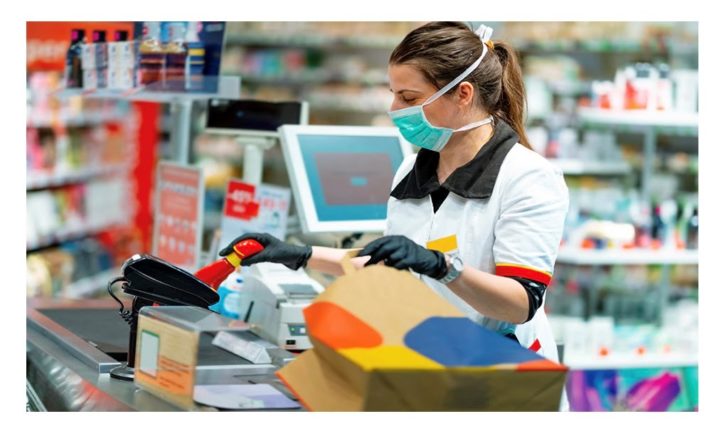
(395, 105)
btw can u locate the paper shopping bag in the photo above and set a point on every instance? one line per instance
(384, 341)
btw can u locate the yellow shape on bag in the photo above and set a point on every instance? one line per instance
(389, 357)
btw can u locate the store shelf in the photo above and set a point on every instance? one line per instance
(313, 41)
(618, 361)
(303, 79)
(575, 256)
(347, 108)
(569, 87)
(67, 235)
(90, 285)
(580, 167)
(37, 181)
(228, 87)
(72, 121)
(602, 46)
(640, 118)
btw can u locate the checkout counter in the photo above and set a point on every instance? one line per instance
(72, 345)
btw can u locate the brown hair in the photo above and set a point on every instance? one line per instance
(443, 50)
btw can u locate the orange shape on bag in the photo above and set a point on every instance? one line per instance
(338, 328)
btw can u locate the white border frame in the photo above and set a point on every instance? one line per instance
(304, 201)
(199, 210)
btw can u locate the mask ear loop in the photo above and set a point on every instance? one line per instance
(485, 33)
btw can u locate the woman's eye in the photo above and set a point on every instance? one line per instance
(407, 100)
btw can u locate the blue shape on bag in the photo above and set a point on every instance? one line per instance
(459, 342)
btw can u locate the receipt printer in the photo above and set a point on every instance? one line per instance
(272, 301)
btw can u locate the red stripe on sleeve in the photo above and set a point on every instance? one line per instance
(529, 273)
(535, 346)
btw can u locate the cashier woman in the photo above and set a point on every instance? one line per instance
(459, 96)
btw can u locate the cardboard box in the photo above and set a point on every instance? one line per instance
(384, 341)
(172, 352)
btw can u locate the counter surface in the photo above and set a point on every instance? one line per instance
(65, 380)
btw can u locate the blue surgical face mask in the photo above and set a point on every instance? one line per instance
(416, 128)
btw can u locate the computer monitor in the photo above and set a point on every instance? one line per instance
(250, 117)
(341, 176)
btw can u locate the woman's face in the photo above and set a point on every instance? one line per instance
(410, 88)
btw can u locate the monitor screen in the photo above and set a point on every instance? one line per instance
(342, 175)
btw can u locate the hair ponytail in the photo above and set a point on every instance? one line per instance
(511, 104)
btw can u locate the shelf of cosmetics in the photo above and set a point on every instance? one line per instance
(299, 67)
(58, 156)
(46, 110)
(74, 211)
(626, 292)
(80, 268)
(615, 37)
(327, 35)
(608, 218)
(605, 342)
(170, 54)
(648, 87)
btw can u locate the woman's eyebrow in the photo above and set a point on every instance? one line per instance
(405, 90)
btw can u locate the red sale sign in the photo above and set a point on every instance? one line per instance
(254, 208)
(240, 201)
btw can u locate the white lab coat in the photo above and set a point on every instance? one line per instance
(519, 226)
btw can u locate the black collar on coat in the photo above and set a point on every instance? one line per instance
(473, 180)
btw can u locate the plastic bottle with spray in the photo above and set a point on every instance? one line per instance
(215, 273)
(73, 64)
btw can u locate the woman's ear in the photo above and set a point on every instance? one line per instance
(465, 93)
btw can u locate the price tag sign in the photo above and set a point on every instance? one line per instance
(240, 202)
(254, 208)
(178, 215)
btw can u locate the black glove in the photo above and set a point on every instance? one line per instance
(276, 251)
(403, 253)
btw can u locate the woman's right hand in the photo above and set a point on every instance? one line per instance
(275, 251)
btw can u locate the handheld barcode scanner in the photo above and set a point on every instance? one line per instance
(153, 281)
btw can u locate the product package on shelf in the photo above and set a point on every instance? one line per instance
(78, 269)
(121, 62)
(63, 213)
(179, 56)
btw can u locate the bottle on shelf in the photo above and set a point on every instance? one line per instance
(658, 227)
(692, 230)
(73, 63)
(124, 70)
(664, 88)
(101, 58)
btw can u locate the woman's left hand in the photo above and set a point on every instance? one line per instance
(402, 253)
